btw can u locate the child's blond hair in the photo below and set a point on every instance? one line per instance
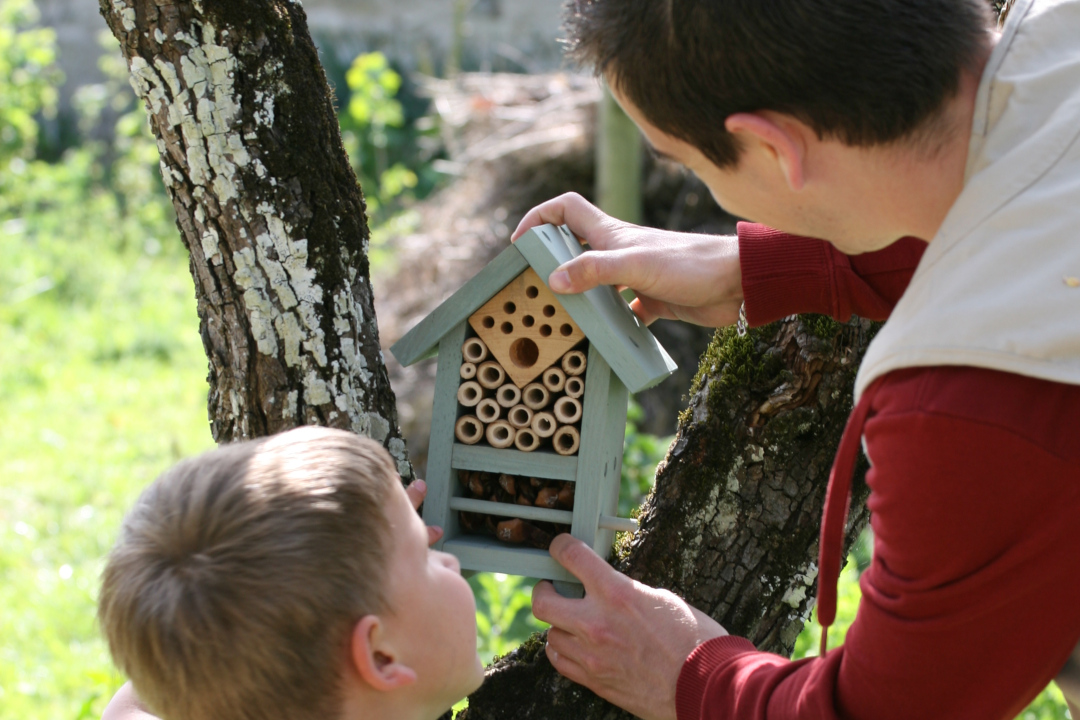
(239, 574)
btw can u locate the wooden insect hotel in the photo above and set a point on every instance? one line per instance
(529, 411)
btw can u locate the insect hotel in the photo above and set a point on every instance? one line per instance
(529, 411)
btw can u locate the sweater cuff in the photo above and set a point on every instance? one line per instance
(782, 274)
(694, 676)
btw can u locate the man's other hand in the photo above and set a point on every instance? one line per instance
(676, 276)
(625, 641)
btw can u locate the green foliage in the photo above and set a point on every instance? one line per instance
(390, 151)
(641, 454)
(28, 77)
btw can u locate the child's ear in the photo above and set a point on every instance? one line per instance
(374, 658)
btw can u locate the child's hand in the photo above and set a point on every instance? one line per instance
(416, 491)
(676, 276)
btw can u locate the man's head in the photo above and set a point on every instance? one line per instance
(272, 579)
(856, 74)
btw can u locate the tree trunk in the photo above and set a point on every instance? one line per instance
(732, 524)
(270, 210)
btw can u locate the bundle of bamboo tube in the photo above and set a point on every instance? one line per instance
(543, 413)
(515, 490)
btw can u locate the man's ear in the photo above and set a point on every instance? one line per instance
(779, 136)
(374, 659)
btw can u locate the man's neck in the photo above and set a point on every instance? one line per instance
(926, 175)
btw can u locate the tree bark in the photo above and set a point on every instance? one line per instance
(270, 210)
(732, 524)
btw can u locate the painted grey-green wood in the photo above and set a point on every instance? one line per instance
(572, 590)
(611, 326)
(614, 432)
(618, 524)
(540, 464)
(420, 342)
(440, 473)
(525, 512)
(592, 454)
(488, 555)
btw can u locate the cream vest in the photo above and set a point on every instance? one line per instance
(997, 287)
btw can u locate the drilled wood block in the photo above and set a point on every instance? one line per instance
(526, 328)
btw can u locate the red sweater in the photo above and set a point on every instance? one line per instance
(972, 602)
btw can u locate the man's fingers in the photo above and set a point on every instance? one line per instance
(569, 209)
(626, 266)
(434, 532)
(565, 666)
(584, 564)
(416, 491)
(554, 609)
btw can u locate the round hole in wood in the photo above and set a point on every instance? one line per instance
(488, 322)
(545, 331)
(531, 292)
(524, 353)
(528, 321)
(549, 311)
(509, 308)
(507, 328)
(566, 330)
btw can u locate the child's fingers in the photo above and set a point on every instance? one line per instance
(434, 533)
(416, 491)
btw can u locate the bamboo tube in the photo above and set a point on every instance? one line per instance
(470, 394)
(488, 411)
(575, 387)
(469, 429)
(490, 375)
(554, 379)
(543, 424)
(573, 362)
(468, 371)
(520, 416)
(526, 440)
(567, 410)
(535, 396)
(474, 350)
(500, 434)
(508, 395)
(566, 440)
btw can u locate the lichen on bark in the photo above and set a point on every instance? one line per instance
(270, 210)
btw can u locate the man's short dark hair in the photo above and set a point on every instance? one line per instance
(865, 72)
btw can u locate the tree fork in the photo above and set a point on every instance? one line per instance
(732, 525)
(270, 211)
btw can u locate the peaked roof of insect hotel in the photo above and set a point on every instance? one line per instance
(501, 300)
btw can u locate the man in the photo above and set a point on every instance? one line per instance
(868, 124)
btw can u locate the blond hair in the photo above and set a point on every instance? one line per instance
(238, 575)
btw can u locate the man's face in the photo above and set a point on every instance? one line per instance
(835, 206)
(431, 613)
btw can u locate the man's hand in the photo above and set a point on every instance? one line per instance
(676, 276)
(625, 641)
(417, 491)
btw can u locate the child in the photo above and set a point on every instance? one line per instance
(287, 577)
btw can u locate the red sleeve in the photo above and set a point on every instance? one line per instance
(786, 274)
(970, 606)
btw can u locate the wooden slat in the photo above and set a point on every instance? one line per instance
(618, 524)
(609, 323)
(541, 464)
(525, 512)
(593, 455)
(614, 432)
(488, 555)
(440, 474)
(422, 340)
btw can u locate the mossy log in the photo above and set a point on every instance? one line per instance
(732, 524)
(270, 211)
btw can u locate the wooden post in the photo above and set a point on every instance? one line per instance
(618, 162)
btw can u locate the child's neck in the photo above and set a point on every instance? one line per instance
(364, 703)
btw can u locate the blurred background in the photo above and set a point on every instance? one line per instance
(458, 116)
